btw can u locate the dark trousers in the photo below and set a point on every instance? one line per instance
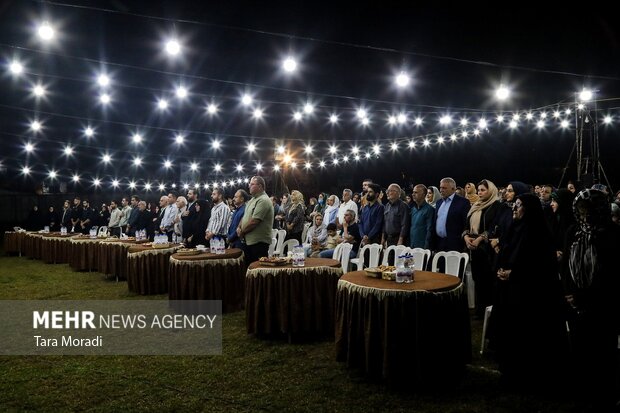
(115, 231)
(254, 252)
(392, 239)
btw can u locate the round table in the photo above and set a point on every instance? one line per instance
(147, 268)
(31, 245)
(55, 248)
(292, 300)
(13, 242)
(83, 253)
(417, 332)
(112, 257)
(208, 276)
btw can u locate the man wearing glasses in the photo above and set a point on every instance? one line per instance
(255, 226)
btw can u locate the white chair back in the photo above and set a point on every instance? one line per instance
(289, 245)
(374, 251)
(103, 230)
(454, 261)
(304, 234)
(397, 249)
(342, 253)
(274, 233)
(272, 247)
(280, 238)
(420, 258)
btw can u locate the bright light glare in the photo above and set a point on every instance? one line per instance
(585, 95)
(502, 93)
(289, 64)
(103, 80)
(45, 31)
(16, 68)
(173, 47)
(402, 80)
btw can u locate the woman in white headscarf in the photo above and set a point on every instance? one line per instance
(432, 195)
(485, 221)
(316, 236)
(331, 210)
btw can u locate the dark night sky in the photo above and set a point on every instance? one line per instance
(582, 41)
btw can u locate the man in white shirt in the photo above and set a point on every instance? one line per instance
(346, 204)
(166, 225)
(115, 219)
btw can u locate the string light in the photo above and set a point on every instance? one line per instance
(107, 158)
(89, 132)
(258, 113)
(308, 108)
(103, 80)
(173, 48)
(181, 92)
(115, 183)
(75, 178)
(29, 147)
(136, 137)
(212, 109)
(162, 104)
(104, 98)
(16, 68)
(246, 100)
(35, 126)
(46, 31)
(502, 93)
(167, 164)
(585, 95)
(289, 65)
(179, 139)
(333, 118)
(39, 91)
(402, 80)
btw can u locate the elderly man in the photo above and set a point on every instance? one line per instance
(450, 217)
(422, 214)
(220, 216)
(240, 198)
(346, 204)
(255, 226)
(395, 218)
(157, 218)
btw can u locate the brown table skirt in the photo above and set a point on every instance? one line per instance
(213, 281)
(299, 302)
(418, 336)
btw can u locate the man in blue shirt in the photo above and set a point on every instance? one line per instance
(240, 198)
(371, 221)
(422, 214)
(450, 218)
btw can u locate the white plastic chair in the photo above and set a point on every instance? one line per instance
(304, 234)
(373, 260)
(272, 247)
(289, 245)
(274, 233)
(470, 284)
(342, 253)
(398, 250)
(280, 238)
(103, 230)
(453, 261)
(420, 258)
(487, 314)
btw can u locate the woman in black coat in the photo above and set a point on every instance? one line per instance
(590, 276)
(487, 220)
(528, 324)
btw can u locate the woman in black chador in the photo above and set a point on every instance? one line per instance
(527, 318)
(592, 281)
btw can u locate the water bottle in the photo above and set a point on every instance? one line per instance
(63, 230)
(93, 232)
(220, 246)
(299, 259)
(212, 247)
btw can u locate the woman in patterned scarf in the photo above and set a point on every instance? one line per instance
(590, 276)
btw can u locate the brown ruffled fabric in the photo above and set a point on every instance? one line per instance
(292, 300)
(213, 277)
(148, 269)
(416, 333)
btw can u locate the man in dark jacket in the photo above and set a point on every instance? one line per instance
(450, 217)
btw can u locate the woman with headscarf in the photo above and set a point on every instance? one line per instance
(432, 195)
(528, 326)
(178, 222)
(331, 210)
(321, 204)
(486, 220)
(200, 224)
(295, 217)
(471, 193)
(513, 190)
(316, 236)
(285, 204)
(591, 282)
(562, 219)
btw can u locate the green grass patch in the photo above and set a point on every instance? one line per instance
(251, 375)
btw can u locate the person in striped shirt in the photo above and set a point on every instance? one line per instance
(220, 216)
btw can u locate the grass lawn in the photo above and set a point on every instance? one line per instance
(251, 374)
